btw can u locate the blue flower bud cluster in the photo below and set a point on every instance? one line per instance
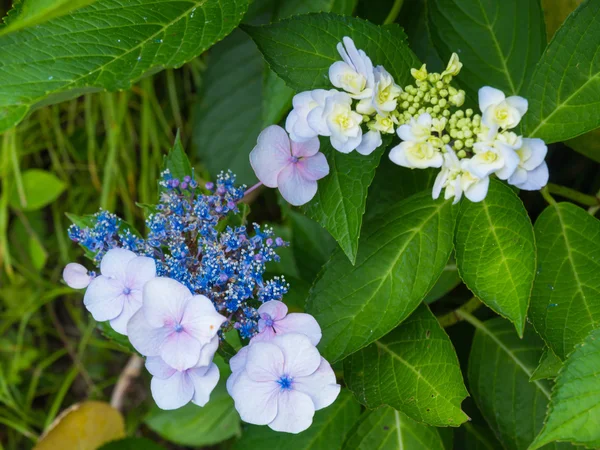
(193, 239)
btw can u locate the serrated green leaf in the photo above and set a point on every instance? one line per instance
(587, 144)
(198, 426)
(400, 257)
(574, 412)
(301, 49)
(565, 89)
(472, 436)
(413, 369)
(388, 429)
(548, 367)
(327, 432)
(29, 13)
(499, 42)
(107, 45)
(495, 252)
(277, 98)
(565, 302)
(341, 199)
(177, 162)
(40, 188)
(132, 444)
(500, 366)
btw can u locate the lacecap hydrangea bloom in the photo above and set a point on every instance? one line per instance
(435, 132)
(194, 277)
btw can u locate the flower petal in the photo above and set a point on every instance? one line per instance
(164, 301)
(301, 358)
(238, 361)
(256, 402)
(321, 386)
(295, 412)
(294, 188)
(270, 155)
(204, 382)
(274, 308)
(536, 178)
(180, 350)
(346, 146)
(131, 305)
(173, 392)
(404, 132)
(306, 148)
(477, 191)
(140, 270)
(104, 298)
(300, 323)
(538, 153)
(158, 368)
(208, 352)
(265, 362)
(145, 339)
(265, 334)
(370, 141)
(76, 276)
(114, 263)
(314, 167)
(489, 96)
(398, 154)
(519, 103)
(200, 319)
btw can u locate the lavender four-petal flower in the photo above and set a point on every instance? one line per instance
(275, 320)
(172, 323)
(292, 167)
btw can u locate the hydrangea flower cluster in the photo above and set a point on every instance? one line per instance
(195, 276)
(467, 146)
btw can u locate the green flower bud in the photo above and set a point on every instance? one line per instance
(446, 138)
(461, 154)
(443, 102)
(469, 143)
(458, 144)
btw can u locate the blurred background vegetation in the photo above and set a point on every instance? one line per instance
(104, 150)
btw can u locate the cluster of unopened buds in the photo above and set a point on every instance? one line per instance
(175, 293)
(468, 147)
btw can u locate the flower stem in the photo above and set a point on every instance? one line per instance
(572, 194)
(455, 316)
(253, 188)
(393, 14)
(547, 196)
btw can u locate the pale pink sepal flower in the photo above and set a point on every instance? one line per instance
(172, 389)
(116, 294)
(76, 276)
(281, 383)
(292, 167)
(172, 323)
(274, 320)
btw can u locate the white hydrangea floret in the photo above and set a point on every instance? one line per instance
(500, 111)
(417, 130)
(385, 92)
(355, 73)
(532, 171)
(495, 156)
(457, 180)
(303, 104)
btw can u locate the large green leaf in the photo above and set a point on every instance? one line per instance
(565, 89)
(565, 303)
(341, 199)
(388, 429)
(404, 370)
(495, 252)
(301, 49)
(400, 257)
(40, 188)
(107, 45)
(574, 412)
(500, 366)
(475, 437)
(499, 42)
(548, 367)
(328, 431)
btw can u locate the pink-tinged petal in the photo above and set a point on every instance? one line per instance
(536, 178)
(301, 358)
(321, 386)
(131, 305)
(519, 103)
(158, 368)
(371, 140)
(145, 339)
(204, 382)
(238, 361)
(256, 402)
(274, 308)
(200, 319)
(306, 148)
(173, 392)
(164, 301)
(76, 276)
(265, 362)
(180, 350)
(295, 412)
(270, 155)
(208, 352)
(114, 263)
(265, 335)
(104, 298)
(300, 323)
(139, 271)
(489, 96)
(294, 188)
(314, 167)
